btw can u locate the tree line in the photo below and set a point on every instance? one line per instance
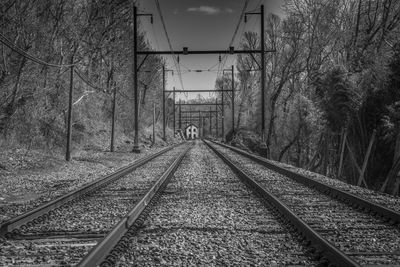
(97, 37)
(332, 90)
(332, 84)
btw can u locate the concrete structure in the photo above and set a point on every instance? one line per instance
(192, 131)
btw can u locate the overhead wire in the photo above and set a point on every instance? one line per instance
(25, 54)
(221, 67)
(176, 63)
(86, 80)
(155, 36)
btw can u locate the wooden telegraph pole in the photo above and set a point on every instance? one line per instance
(135, 83)
(113, 117)
(69, 122)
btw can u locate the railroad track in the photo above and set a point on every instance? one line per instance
(199, 213)
(348, 230)
(62, 231)
(205, 216)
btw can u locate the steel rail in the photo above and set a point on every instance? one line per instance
(40, 213)
(333, 254)
(346, 197)
(100, 252)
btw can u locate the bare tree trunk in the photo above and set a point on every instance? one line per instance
(392, 182)
(17, 83)
(326, 154)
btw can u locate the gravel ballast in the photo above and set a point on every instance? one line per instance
(23, 190)
(55, 240)
(207, 217)
(383, 199)
(369, 239)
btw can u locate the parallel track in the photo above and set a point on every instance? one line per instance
(363, 237)
(355, 201)
(344, 229)
(105, 252)
(206, 209)
(70, 230)
(42, 212)
(333, 254)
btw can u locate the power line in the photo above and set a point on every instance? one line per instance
(155, 36)
(240, 20)
(234, 36)
(25, 54)
(86, 80)
(176, 63)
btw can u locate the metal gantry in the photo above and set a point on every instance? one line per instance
(163, 101)
(186, 51)
(263, 51)
(233, 96)
(201, 112)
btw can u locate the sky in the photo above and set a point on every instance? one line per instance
(200, 25)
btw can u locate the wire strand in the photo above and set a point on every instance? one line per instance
(176, 63)
(25, 54)
(86, 80)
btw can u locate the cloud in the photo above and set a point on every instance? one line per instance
(176, 11)
(208, 10)
(275, 7)
(228, 10)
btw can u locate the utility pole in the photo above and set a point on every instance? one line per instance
(180, 115)
(233, 96)
(209, 116)
(174, 110)
(216, 117)
(135, 77)
(262, 34)
(233, 101)
(69, 122)
(135, 83)
(202, 122)
(223, 117)
(154, 124)
(262, 74)
(163, 102)
(113, 117)
(200, 125)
